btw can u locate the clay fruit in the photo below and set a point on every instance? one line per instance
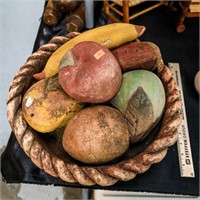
(138, 55)
(90, 73)
(47, 107)
(110, 36)
(96, 135)
(141, 99)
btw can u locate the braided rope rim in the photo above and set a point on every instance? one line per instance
(86, 175)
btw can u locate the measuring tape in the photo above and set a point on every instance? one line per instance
(183, 142)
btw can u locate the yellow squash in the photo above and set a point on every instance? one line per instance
(111, 36)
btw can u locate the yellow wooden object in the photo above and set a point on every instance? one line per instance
(111, 36)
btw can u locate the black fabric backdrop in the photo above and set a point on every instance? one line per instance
(163, 177)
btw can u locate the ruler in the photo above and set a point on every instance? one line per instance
(183, 142)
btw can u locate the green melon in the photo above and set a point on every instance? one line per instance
(141, 99)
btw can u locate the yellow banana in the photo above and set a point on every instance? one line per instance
(111, 36)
